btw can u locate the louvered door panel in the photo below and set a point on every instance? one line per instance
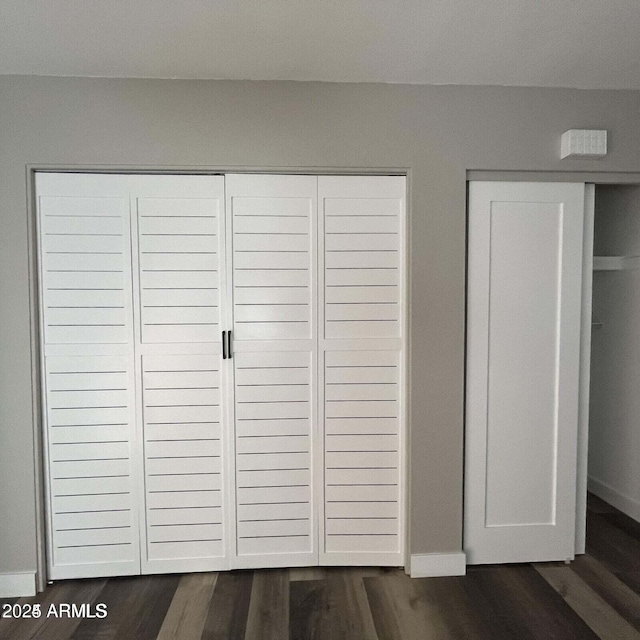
(183, 438)
(273, 230)
(85, 281)
(179, 262)
(362, 223)
(272, 255)
(274, 456)
(362, 265)
(179, 248)
(362, 449)
(93, 495)
(86, 321)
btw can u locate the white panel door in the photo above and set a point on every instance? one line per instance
(523, 356)
(272, 226)
(91, 444)
(183, 390)
(361, 369)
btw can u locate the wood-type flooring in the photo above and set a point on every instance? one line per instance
(596, 596)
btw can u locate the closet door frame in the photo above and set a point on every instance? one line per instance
(37, 351)
(585, 370)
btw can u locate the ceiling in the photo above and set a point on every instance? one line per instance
(556, 43)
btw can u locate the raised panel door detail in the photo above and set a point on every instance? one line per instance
(524, 310)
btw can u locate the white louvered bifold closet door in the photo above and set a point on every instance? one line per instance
(272, 222)
(165, 455)
(88, 375)
(361, 368)
(180, 309)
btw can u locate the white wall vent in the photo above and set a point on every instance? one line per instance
(589, 143)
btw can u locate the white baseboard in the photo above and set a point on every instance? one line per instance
(625, 503)
(430, 565)
(17, 585)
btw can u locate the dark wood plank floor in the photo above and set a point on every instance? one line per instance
(597, 596)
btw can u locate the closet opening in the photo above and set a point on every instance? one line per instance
(611, 366)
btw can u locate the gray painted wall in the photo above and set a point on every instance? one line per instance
(437, 132)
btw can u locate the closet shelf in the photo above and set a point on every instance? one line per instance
(616, 263)
(608, 263)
